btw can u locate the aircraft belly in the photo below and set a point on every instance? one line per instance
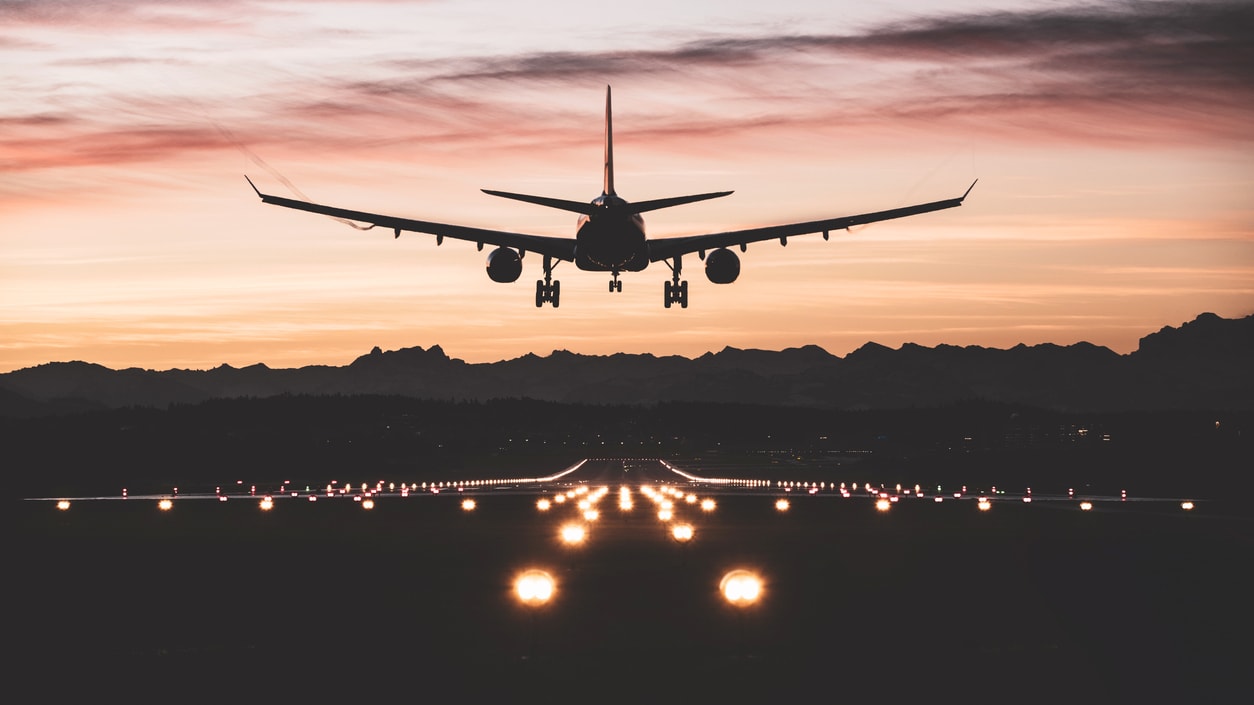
(604, 249)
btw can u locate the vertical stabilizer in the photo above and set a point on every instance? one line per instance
(608, 189)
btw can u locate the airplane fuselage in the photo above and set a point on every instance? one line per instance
(611, 238)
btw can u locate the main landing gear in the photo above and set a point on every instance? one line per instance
(675, 290)
(615, 284)
(548, 290)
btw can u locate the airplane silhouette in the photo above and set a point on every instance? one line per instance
(610, 235)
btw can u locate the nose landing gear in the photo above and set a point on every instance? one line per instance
(615, 284)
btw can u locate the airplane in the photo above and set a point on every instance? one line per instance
(610, 234)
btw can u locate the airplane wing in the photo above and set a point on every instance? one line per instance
(668, 248)
(556, 247)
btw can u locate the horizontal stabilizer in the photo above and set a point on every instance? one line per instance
(657, 204)
(561, 204)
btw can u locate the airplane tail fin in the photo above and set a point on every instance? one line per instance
(608, 188)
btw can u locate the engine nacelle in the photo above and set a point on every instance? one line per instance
(722, 266)
(504, 265)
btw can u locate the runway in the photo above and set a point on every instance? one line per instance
(1129, 601)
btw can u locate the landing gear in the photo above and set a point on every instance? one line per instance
(547, 289)
(675, 290)
(615, 284)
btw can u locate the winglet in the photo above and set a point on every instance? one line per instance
(250, 183)
(964, 196)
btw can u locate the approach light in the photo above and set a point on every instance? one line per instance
(63, 504)
(543, 504)
(782, 505)
(986, 505)
(534, 587)
(591, 515)
(740, 588)
(707, 505)
(367, 504)
(665, 514)
(1086, 506)
(1186, 506)
(165, 505)
(883, 505)
(468, 505)
(682, 532)
(266, 504)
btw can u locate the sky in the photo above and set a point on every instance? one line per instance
(1113, 143)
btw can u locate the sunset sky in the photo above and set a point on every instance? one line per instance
(1114, 144)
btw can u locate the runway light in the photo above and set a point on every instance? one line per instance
(468, 505)
(573, 534)
(63, 504)
(543, 504)
(782, 505)
(1086, 506)
(1186, 506)
(534, 587)
(883, 505)
(165, 505)
(682, 532)
(741, 588)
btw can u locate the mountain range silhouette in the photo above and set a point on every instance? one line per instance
(1203, 364)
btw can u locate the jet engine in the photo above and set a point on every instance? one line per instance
(504, 265)
(722, 266)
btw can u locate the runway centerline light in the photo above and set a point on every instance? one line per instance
(573, 534)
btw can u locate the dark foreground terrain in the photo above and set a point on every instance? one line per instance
(1132, 602)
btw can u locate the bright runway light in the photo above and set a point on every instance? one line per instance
(573, 534)
(707, 505)
(782, 505)
(682, 532)
(1086, 506)
(883, 505)
(165, 505)
(543, 504)
(1186, 506)
(63, 504)
(468, 504)
(367, 504)
(741, 588)
(534, 587)
(266, 504)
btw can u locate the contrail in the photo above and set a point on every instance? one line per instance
(243, 148)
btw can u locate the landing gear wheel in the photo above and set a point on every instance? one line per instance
(556, 293)
(683, 294)
(669, 292)
(539, 293)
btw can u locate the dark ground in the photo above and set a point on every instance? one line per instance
(1129, 603)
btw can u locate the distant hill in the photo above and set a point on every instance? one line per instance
(1203, 364)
